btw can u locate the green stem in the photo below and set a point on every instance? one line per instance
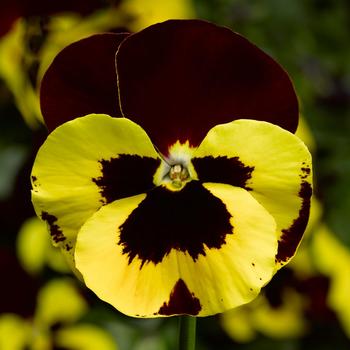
(187, 332)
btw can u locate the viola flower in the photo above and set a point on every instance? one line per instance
(193, 191)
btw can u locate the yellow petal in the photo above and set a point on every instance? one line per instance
(166, 262)
(34, 249)
(332, 258)
(271, 163)
(84, 337)
(237, 323)
(85, 163)
(143, 14)
(14, 65)
(286, 321)
(15, 332)
(59, 301)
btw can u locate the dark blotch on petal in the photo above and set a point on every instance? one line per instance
(223, 170)
(181, 301)
(186, 220)
(126, 176)
(292, 236)
(56, 233)
(185, 76)
(306, 171)
(82, 80)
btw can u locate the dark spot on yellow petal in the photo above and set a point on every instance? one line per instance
(68, 247)
(126, 176)
(253, 264)
(292, 235)
(56, 233)
(223, 170)
(186, 220)
(181, 301)
(34, 178)
(305, 172)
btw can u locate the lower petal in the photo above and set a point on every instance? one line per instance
(214, 280)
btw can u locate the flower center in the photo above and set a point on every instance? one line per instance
(178, 175)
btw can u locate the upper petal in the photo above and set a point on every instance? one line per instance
(86, 163)
(270, 162)
(82, 80)
(185, 76)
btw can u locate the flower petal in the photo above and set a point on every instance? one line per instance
(82, 80)
(85, 336)
(270, 162)
(59, 301)
(86, 163)
(178, 278)
(185, 76)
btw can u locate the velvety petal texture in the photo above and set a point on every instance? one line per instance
(180, 282)
(184, 77)
(74, 170)
(81, 80)
(269, 162)
(185, 208)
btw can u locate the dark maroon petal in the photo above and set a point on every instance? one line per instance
(82, 80)
(180, 78)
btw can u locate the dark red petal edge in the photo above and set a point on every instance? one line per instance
(292, 236)
(82, 80)
(179, 78)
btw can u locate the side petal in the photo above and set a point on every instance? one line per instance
(185, 76)
(270, 162)
(82, 80)
(86, 163)
(154, 267)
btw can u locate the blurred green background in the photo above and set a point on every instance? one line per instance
(42, 306)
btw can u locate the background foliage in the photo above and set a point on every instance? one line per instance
(310, 38)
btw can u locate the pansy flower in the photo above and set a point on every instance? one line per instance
(171, 176)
